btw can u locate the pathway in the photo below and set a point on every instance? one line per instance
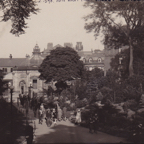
(66, 132)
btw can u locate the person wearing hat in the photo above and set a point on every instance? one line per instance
(78, 117)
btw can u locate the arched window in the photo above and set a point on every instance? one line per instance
(90, 60)
(99, 60)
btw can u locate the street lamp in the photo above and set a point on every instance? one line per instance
(11, 88)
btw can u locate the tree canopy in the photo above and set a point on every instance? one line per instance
(124, 17)
(62, 65)
(138, 63)
(17, 11)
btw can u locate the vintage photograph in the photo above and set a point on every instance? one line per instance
(71, 71)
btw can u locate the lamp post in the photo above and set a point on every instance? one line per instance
(30, 92)
(11, 93)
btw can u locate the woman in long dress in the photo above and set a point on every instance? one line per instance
(48, 118)
(78, 117)
(59, 114)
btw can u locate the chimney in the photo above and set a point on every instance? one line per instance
(10, 56)
(27, 56)
(68, 45)
(79, 46)
(50, 46)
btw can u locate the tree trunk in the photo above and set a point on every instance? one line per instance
(114, 97)
(131, 58)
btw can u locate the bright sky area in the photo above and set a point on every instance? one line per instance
(57, 22)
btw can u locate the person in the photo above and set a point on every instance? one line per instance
(48, 117)
(64, 113)
(78, 117)
(40, 116)
(95, 122)
(29, 133)
(59, 114)
(54, 116)
(42, 106)
(91, 122)
(26, 107)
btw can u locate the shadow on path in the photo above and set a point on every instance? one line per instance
(11, 130)
(74, 134)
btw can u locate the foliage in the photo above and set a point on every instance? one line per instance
(17, 11)
(62, 65)
(141, 102)
(80, 103)
(95, 73)
(3, 85)
(131, 104)
(107, 17)
(138, 63)
(80, 90)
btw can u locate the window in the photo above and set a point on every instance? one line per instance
(11, 69)
(35, 83)
(84, 60)
(4, 69)
(90, 60)
(99, 60)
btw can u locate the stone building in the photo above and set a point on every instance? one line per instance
(23, 72)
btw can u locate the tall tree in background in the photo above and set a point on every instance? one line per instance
(108, 16)
(62, 65)
(17, 11)
(138, 62)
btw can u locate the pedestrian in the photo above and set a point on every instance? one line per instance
(26, 107)
(91, 122)
(95, 123)
(64, 111)
(78, 117)
(40, 116)
(29, 133)
(54, 115)
(48, 117)
(59, 114)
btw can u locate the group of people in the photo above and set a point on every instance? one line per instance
(52, 115)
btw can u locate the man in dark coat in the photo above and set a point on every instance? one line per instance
(91, 121)
(95, 122)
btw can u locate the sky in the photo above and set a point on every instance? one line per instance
(57, 22)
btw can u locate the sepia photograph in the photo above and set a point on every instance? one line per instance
(71, 71)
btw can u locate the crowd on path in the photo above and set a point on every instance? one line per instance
(51, 115)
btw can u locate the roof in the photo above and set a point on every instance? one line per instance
(7, 62)
(8, 76)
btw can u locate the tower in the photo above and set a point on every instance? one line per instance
(79, 46)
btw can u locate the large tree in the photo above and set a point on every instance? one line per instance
(17, 11)
(138, 61)
(62, 65)
(127, 17)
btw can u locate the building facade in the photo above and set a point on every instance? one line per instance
(23, 72)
